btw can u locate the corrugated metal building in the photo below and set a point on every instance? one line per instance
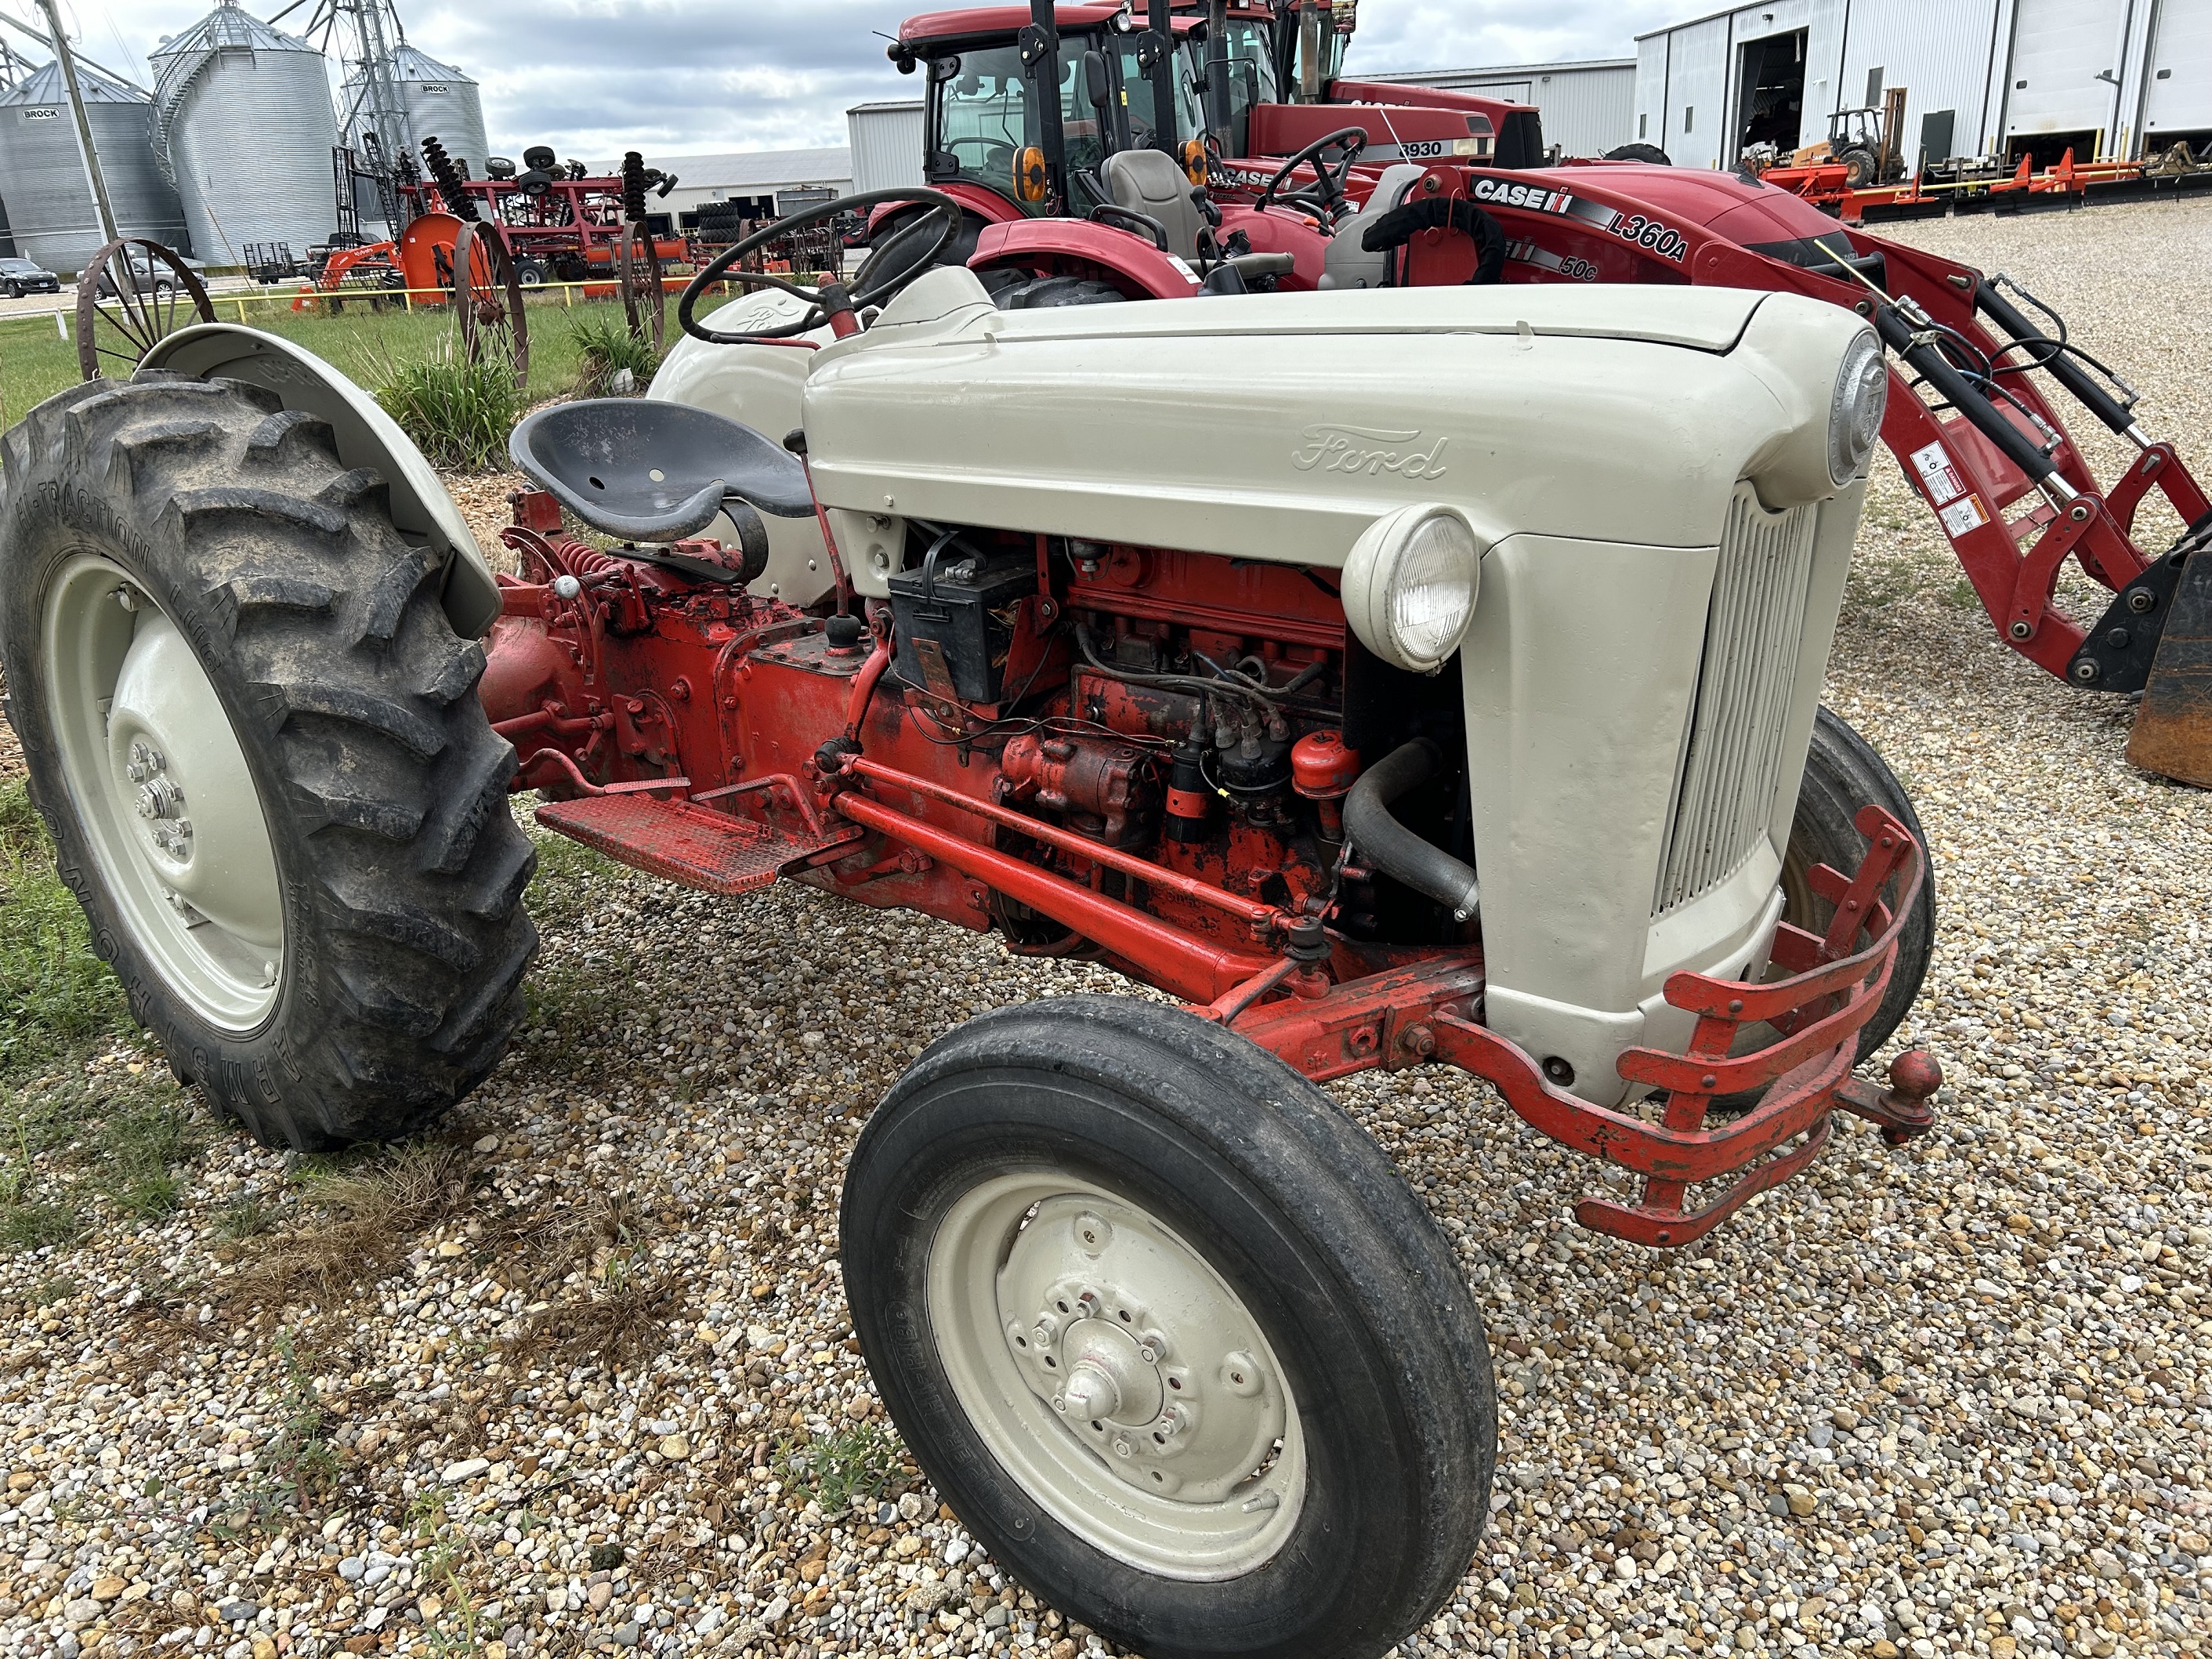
(1588, 107)
(792, 179)
(51, 215)
(887, 140)
(1982, 77)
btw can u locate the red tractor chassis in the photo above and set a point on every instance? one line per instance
(691, 730)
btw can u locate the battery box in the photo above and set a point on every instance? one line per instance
(953, 620)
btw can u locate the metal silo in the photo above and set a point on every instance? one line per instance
(243, 124)
(51, 213)
(438, 101)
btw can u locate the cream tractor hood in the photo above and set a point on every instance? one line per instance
(1277, 426)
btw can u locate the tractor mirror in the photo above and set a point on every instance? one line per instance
(1097, 86)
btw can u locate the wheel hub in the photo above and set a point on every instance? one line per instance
(1178, 1408)
(1117, 1376)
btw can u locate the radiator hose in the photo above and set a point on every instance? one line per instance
(1396, 851)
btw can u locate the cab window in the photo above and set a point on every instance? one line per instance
(983, 114)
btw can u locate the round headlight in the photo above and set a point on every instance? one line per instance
(1410, 583)
(1855, 410)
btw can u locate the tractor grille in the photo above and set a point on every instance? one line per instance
(1724, 792)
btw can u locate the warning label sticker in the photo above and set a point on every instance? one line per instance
(1963, 514)
(1937, 475)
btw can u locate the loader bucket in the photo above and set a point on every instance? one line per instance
(2174, 727)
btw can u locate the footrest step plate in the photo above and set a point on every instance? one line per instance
(690, 845)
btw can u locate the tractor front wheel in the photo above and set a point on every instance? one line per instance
(1171, 1336)
(1843, 772)
(256, 740)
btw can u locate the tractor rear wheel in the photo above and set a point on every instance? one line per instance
(256, 740)
(1843, 772)
(1172, 1337)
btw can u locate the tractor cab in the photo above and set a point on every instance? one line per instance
(998, 142)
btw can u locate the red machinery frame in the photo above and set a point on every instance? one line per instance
(574, 229)
(721, 740)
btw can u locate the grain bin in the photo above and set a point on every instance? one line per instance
(51, 216)
(441, 103)
(243, 124)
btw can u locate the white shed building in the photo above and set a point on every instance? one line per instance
(1588, 107)
(780, 181)
(2003, 78)
(887, 140)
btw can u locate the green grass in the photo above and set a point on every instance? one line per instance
(364, 344)
(54, 994)
(605, 346)
(458, 408)
(66, 1133)
(858, 1461)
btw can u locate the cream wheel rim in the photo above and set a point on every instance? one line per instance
(159, 783)
(1116, 1376)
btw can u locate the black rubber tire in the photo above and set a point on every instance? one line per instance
(530, 273)
(1302, 1214)
(1843, 772)
(383, 786)
(1859, 168)
(1651, 152)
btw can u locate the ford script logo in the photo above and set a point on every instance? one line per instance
(1369, 450)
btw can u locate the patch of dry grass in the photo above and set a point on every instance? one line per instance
(369, 1214)
(623, 1315)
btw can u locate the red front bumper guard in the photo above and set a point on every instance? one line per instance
(1831, 992)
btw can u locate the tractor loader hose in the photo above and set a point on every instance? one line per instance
(2097, 399)
(1396, 851)
(1924, 351)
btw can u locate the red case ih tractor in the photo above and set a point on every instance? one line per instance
(1272, 650)
(1362, 185)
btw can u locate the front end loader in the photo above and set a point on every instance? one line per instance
(1274, 651)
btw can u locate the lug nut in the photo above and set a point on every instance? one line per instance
(2140, 599)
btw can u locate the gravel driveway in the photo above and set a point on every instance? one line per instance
(582, 1378)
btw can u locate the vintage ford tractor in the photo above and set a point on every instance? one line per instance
(1428, 677)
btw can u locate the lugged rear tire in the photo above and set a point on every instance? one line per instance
(399, 870)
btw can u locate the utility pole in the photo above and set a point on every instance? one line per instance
(83, 125)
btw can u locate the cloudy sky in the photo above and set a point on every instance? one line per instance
(595, 77)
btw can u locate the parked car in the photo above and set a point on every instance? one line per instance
(21, 276)
(147, 275)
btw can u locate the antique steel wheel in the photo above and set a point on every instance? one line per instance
(645, 302)
(488, 299)
(1172, 1337)
(133, 292)
(255, 736)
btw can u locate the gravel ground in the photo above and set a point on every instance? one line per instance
(580, 1376)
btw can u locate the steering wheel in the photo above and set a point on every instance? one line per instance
(833, 302)
(1326, 194)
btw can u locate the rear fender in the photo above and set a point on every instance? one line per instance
(1127, 260)
(421, 510)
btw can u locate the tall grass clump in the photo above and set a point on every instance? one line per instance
(605, 347)
(458, 410)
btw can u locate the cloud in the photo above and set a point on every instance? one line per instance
(595, 77)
